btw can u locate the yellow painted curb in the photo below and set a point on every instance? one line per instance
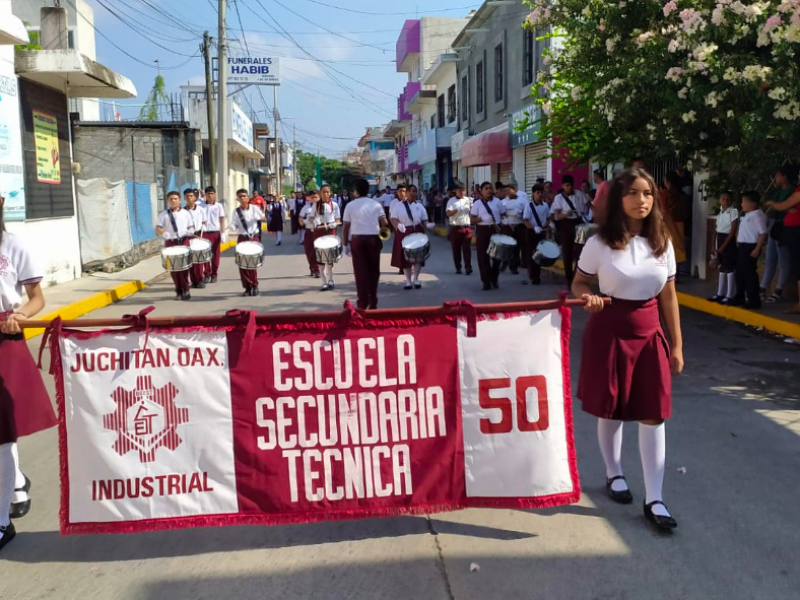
(87, 305)
(227, 245)
(740, 315)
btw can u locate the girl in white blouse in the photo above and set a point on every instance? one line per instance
(627, 361)
(727, 225)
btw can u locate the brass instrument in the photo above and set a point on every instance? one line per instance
(385, 234)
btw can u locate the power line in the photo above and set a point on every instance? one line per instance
(384, 14)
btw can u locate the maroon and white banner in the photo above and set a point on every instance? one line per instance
(267, 424)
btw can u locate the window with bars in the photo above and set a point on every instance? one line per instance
(440, 110)
(499, 83)
(528, 40)
(451, 104)
(479, 87)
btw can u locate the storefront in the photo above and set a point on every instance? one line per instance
(489, 155)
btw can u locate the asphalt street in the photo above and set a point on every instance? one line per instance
(733, 483)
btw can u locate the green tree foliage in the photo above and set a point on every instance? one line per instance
(34, 40)
(338, 174)
(157, 100)
(716, 81)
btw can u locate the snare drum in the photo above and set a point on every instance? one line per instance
(176, 259)
(201, 251)
(249, 255)
(328, 249)
(416, 248)
(584, 231)
(502, 247)
(546, 253)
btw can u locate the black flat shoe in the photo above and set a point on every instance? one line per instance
(623, 497)
(255, 292)
(469, 271)
(9, 533)
(486, 287)
(186, 296)
(20, 509)
(458, 271)
(213, 279)
(663, 523)
(246, 292)
(417, 286)
(408, 287)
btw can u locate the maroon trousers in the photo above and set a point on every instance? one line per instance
(311, 254)
(532, 240)
(518, 233)
(249, 277)
(489, 267)
(366, 251)
(461, 244)
(179, 278)
(212, 268)
(570, 251)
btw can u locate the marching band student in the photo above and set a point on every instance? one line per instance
(25, 407)
(487, 213)
(514, 227)
(362, 222)
(326, 218)
(294, 212)
(198, 214)
(258, 201)
(408, 216)
(275, 212)
(386, 201)
(460, 234)
(214, 232)
(628, 363)
(536, 219)
(176, 226)
(570, 208)
(309, 224)
(246, 223)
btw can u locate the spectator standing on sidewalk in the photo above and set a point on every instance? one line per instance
(778, 258)
(750, 240)
(791, 232)
(727, 227)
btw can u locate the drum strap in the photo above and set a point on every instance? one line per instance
(572, 207)
(489, 210)
(172, 220)
(408, 210)
(240, 214)
(536, 216)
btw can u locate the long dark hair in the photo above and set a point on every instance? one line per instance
(614, 227)
(320, 204)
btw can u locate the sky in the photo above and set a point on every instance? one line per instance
(337, 56)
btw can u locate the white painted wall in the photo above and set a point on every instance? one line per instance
(56, 245)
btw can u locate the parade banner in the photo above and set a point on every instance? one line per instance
(299, 421)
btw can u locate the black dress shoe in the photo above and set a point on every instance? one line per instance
(186, 296)
(408, 287)
(213, 279)
(8, 534)
(486, 287)
(417, 286)
(662, 522)
(20, 509)
(469, 271)
(458, 271)
(207, 279)
(623, 497)
(246, 292)
(254, 291)
(495, 285)
(201, 285)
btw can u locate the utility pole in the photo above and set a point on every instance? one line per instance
(294, 157)
(222, 105)
(212, 164)
(277, 163)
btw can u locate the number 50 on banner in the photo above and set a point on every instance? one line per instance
(523, 386)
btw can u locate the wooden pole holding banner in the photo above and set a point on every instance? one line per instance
(280, 318)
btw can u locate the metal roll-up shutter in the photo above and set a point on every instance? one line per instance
(535, 163)
(505, 172)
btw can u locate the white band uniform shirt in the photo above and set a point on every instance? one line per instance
(634, 273)
(364, 216)
(542, 211)
(515, 208)
(307, 214)
(523, 196)
(17, 269)
(214, 213)
(726, 218)
(199, 218)
(418, 213)
(183, 220)
(313, 219)
(252, 220)
(494, 217)
(579, 200)
(751, 226)
(463, 206)
(386, 200)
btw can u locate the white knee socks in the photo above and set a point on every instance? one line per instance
(407, 273)
(723, 284)
(731, 285)
(609, 434)
(327, 271)
(653, 449)
(417, 271)
(302, 236)
(278, 237)
(7, 481)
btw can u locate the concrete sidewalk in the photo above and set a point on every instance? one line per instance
(692, 293)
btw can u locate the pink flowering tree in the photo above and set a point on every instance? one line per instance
(716, 81)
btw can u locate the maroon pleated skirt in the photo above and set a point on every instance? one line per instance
(625, 372)
(25, 406)
(398, 256)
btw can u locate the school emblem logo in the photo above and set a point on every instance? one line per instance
(146, 419)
